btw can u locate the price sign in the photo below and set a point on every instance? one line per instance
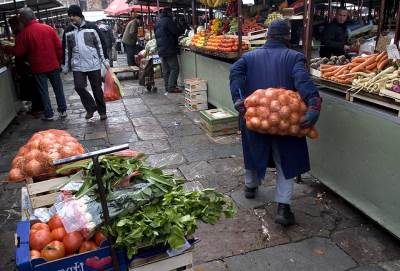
(393, 52)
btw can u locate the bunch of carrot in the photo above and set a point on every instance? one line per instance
(345, 74)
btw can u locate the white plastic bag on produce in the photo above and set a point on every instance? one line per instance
(368, 47)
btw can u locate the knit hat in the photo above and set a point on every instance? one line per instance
(75, 10)
(279, 29)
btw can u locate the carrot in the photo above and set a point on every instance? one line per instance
(363, 65)
(330, 69)
(371, 66)
(341, 70)
(383, 64)
(358, 60)
(380, 56)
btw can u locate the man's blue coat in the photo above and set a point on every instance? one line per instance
(272, 66)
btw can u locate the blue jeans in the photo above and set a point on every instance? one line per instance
(55, 81)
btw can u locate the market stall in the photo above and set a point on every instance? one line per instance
(356, 153)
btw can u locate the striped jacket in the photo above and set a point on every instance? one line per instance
(83, 48)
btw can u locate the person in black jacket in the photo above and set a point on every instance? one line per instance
(167, 33)
(334, 36)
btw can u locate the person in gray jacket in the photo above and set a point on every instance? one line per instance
(84, 53)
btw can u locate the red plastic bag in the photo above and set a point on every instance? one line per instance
(112, 90)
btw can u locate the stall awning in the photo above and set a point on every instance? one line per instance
(8, 5)
(118, 7)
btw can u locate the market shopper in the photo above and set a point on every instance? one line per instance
(109, 39)
(83, 46)
(334, 36)
(42, 47)
(274, 66)
(129, 40)
(167, 33)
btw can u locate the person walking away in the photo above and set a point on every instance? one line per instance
(83, 46)
(41, 45)
(334, 36)
(274, 66)
(108, 39)
(25, 79)
(167, 33)
(129, 39)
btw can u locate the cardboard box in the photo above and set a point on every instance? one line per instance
(195, 84)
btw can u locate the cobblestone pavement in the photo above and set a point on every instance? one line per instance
(330, 234)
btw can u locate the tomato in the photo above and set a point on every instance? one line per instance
(55, 222)
(40, 226)
(99, 237)
(35, 254)
(58, 233)
(53, 251)
(87, 246)
(72, 242)
(39, 239)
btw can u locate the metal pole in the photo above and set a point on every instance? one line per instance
(308, 21)
(329, 10)
(194, 17)
(381, 20)
(397, 34)
(240, 17)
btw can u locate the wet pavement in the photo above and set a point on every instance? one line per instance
(330, 233)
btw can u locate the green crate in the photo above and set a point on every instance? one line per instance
(218, 115)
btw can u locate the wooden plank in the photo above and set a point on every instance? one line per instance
(46, 186)
(168, 264)
(125, 69)
(44, 200)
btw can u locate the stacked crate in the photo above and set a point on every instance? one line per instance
(218, 122)
(196, 94)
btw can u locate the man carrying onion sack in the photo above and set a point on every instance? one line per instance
(274, 66)
(84, 53)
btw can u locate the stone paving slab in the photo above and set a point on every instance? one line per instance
(264, 196)
(165, 160)
(168, 120)
(144, 121)
(183, 130)
(391, 266)
(313, 254)
(151, 146)
(165, 109)
(150, 132)
(211, 266)
(368, 268)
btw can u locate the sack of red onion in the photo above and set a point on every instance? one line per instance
(36, 157)
(277, 111)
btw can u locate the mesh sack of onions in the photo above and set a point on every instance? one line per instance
(277, 111)
(36, 157)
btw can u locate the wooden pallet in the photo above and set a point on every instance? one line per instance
(183, 262)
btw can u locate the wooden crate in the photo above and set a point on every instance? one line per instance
(390, 94)
(162, 262)
(219, 121)
(196, 97)
(195, 84)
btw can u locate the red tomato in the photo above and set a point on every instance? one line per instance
(72, 242)
(40, 226)
(99, 237)
(53, 251)
(39, 239)
(58, 233)
(55, 222)
(87, 246)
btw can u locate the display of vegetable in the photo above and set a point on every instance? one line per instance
(169, 220)
(51, 242)
(374, 82)
(271, 17)
(277, 111)
(36, 157)
(315, 63)
(345, 74)
(250, 25)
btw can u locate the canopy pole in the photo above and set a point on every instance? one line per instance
(308, 22)
(329, 11)
(397, 33)
(381, 20)
(194, 17)
(240, 17)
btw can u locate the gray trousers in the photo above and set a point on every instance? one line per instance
(88, 103)
(170, 69)
(284, 187)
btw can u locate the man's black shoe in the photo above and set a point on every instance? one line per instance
(284, 215)
(250, 193)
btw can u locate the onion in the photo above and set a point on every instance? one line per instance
(304, 131)
(284, 99)
(273, 119)
(250, 112)
(294, 130)
(284, 125)
(270, 94)
(264, 102)
(54, 156)
(34, 144)
(275, 106)
(46, 143)
(251, 101)
(18, 161)
(67, 151)
(262, 112)
(33, 168)
(313, 134)
(285, 112)
(33, 154)
(294, 118)
(294, 105)
(255, 122)
(265, 125)
(15, 175)
(258, 92)
(23, 150)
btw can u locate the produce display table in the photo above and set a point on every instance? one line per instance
(7, 99)
(215, 71)
(356, 156)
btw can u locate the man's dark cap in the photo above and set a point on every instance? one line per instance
(75, 10)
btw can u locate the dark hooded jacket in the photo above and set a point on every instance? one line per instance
(167, 33)
(333, 39)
